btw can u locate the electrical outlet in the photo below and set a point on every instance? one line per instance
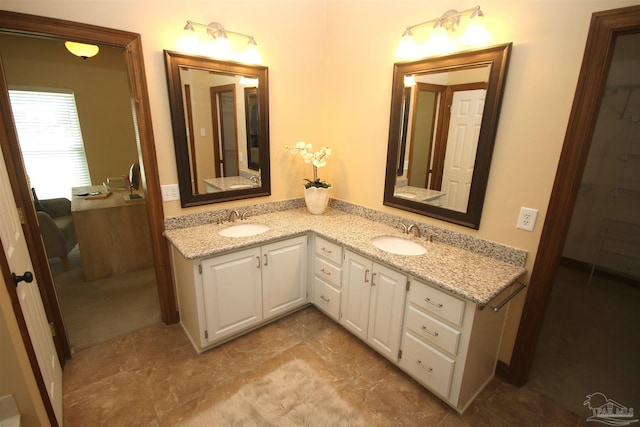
(527, 219)
(170, 192)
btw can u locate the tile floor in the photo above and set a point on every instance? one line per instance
(154, 377)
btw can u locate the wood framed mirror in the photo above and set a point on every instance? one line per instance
(444, 116)
(220, 116)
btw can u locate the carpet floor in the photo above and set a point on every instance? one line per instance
(589, 342)
(97, 311)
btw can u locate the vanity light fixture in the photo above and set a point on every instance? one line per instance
(82, 50)
(217, 43)
(441, 38)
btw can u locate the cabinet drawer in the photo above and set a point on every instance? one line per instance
(329, 250)
(437, 302)
(432, 331)
(328, 272)
(326, 298)
(428, 366)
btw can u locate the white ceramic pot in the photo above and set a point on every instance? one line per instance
(316, 199)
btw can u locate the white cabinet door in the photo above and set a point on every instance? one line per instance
(388, 290)
(356, 290)
(284, 272)
(232, 293)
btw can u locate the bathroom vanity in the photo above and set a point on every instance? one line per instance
(428, 314)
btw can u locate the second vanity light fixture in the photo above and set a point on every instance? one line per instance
(441, 38)
(217, 44)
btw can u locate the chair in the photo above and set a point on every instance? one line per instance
(56, 227)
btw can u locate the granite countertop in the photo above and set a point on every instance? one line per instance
(472, 276)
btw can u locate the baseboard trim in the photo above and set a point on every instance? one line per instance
(502, 371)
(601, 272)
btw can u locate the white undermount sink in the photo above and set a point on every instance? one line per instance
(243, 230)
(398, 245)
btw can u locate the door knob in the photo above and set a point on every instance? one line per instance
(27, 277)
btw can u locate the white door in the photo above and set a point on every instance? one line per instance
(462, 144)
(356, 291)
(232, 293)
(388, 290)
(284, 284)
(17, 255)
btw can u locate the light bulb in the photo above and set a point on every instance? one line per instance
(438, 40)
(407, 46)
(251, 53)
(476, 31)
(189, 40)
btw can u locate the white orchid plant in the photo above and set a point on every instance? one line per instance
(317, 160)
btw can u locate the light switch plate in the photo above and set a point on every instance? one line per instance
(527, 219)
(170, 192)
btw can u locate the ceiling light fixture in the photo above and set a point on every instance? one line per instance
(441, 38)
(82, 50)
(217, 44)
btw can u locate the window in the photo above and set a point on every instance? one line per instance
(51, 141)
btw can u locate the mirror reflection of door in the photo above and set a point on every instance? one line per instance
(443, 116)
(225, 133)
(462, 143)
(253, 127)
(425, 119)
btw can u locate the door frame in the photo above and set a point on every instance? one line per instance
(132, 44)
(605, 27)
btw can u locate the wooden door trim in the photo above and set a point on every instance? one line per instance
(604, 29)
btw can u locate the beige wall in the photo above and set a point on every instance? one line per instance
(101, 91)
(330, 69)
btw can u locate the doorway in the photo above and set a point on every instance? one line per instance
(99, 292)
(586, 342)
(13, 23)
(606, 27)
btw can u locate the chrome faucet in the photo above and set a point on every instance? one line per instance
(245, 214)
(233, 215)
(413, 228)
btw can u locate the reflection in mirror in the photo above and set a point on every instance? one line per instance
(220, 124)
(443, 120)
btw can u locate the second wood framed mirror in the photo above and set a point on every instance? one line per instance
(220, 115)
(444, 115)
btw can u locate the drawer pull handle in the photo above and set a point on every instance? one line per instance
(258, 259)
(434, 333)
(328, 273)
(426, 368)
(326, 250)
(323, 298)
(437, 304)
(266, 260)
(366, 272)
(373, 276)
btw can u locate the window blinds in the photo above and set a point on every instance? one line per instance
(51, 141)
